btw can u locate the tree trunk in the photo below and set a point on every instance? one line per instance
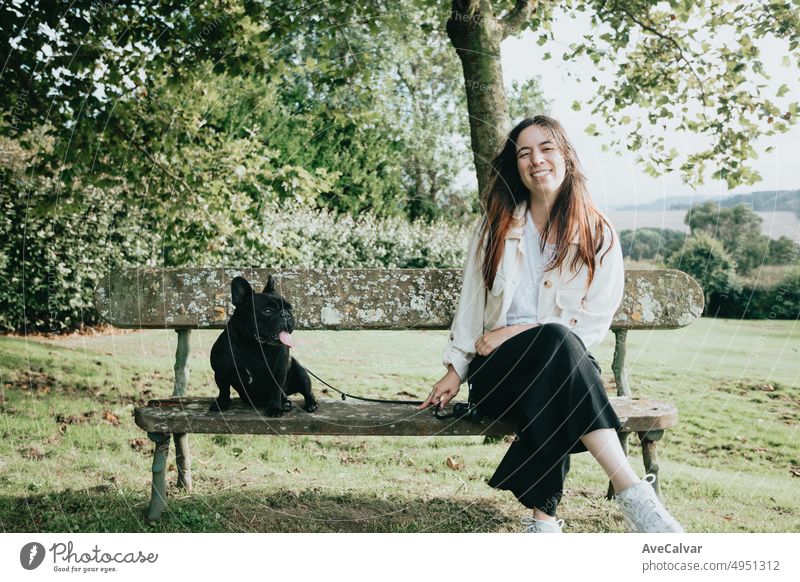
(476, 35)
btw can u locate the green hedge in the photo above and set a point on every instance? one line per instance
(51, 262)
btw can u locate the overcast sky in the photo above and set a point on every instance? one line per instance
(616, 180)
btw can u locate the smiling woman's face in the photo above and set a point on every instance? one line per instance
(539, 161)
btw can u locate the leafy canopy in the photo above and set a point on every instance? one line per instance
(684, 71)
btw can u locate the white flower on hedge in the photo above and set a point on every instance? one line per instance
(99, 92)
(100, 69)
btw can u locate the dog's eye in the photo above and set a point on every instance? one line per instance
(267, 311)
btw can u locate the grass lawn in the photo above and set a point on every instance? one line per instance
(72, 460)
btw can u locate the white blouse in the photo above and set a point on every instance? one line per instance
(523, 308)
(564, 295)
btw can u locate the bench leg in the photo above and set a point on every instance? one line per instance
(618, 364)
(650, 456)
(181, 367)
(623, 440)
(158, 492)
(183, 459)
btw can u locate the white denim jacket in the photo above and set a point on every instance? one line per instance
(563, 296)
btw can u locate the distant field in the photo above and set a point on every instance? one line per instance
(775, 225)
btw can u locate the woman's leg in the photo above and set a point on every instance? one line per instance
(535, 478)
(604, 446)
(545, 379)
(539, 514)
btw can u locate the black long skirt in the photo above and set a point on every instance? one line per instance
(550, 385)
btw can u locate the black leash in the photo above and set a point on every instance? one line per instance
(459, 409)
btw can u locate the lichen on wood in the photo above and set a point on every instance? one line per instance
(357, 298)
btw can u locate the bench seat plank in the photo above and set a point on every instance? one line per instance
(356, 298)
(353, 417)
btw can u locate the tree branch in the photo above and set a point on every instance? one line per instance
(150, 157)
(516, 17)
(681, 56)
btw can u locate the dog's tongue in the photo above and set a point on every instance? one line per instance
(286, 339)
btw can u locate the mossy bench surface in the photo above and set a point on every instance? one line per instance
(354, 417)
(357, 298)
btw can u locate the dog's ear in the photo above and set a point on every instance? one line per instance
(270, 288)
(240, 291)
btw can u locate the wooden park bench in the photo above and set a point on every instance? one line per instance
(355, 299)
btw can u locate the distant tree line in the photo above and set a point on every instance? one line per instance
(726, 253)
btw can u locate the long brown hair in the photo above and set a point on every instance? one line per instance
(572, 213)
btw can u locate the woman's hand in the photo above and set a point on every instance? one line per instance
(494, 339)
(444, 390)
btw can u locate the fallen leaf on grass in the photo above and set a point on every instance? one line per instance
(453, 464)
(406, 394)
(139, 445)
(33, 453)
(74, 419)
(768, 388)
(345, 459)
(795, 471)
(110, 418)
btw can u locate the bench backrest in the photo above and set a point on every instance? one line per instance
(356, 298)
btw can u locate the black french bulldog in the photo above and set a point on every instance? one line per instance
(252, 354)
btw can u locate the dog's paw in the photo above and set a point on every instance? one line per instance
(311, 406)
(287, 405)
(274, 411)
(220, 405)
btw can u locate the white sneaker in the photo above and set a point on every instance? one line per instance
(541, 526)
(643, 511)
